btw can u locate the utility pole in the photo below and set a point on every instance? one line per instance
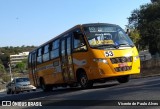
(10, 71)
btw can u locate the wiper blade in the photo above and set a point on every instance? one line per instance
(113, 45)
(125, 45)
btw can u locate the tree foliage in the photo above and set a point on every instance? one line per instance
(147, 21)
(2, 69)
(21, 66)
(5, 52)
(135, 36)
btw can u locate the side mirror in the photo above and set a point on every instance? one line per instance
(77, 35)
(127, 31)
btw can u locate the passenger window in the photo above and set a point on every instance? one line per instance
(39, 56)
(46, 53)
(68, 45)
(55, 49)
(46, 49)
(63, 48)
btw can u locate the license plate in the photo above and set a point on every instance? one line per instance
(122, 64)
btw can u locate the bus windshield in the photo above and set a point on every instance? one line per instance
(107, 36)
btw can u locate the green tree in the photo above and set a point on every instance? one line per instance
(5, 59)
(1, 61)
(134, 19)
(2, 69)
(5, 52)
(21, 67)
(135, 36)
(147, 21)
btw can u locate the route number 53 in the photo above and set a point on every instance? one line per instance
(108, 53)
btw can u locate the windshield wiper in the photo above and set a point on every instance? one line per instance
(103, 45)
(113, 45)
(125, 45)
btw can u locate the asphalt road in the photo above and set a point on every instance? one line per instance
(137, 93)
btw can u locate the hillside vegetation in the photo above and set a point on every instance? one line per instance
(19, 69)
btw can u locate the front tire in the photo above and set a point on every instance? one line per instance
(84, 82)
(123, 79)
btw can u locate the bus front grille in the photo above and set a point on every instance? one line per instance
(125, 68)
(121, 59)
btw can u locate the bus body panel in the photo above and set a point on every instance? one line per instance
(98, 70)
(81, 61)
(50, 73)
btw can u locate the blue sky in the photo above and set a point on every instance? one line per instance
(33, 22)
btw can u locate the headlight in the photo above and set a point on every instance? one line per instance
(100, 60)
(136, 58)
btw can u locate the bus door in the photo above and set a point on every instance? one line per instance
(66, 59)
(69, 59)
(33, 67)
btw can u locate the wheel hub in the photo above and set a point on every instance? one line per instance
(83, 81)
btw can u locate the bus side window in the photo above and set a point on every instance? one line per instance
(78, 42)
(39, 56)
(46, 53)
(54, 53)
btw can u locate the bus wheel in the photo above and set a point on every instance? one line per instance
(123, 79)
(45, 87)
(84, 82)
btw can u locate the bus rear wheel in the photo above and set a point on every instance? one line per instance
(45, 87)
(123, 79)
(84, 82)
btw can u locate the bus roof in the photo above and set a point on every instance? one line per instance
(100, 24)
(79, 25)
